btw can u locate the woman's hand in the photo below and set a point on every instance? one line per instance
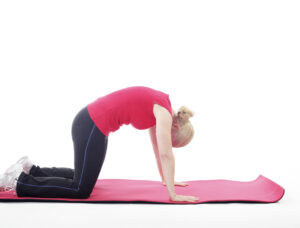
(184, 198)
(177, 183)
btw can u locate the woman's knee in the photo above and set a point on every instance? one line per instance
(84, 193)
(83, 196)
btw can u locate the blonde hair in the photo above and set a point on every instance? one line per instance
(182, 129)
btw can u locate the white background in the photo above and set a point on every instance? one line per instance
(234, 63)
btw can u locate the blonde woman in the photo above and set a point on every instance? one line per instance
(140, 106)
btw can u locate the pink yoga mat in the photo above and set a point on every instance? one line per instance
(261, 189)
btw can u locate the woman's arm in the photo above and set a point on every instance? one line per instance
(164, 144)
(152, 132)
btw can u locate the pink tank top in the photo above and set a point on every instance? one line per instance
(132, 105)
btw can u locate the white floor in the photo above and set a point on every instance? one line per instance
(284, 213)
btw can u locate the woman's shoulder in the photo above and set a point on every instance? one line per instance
(161, 112)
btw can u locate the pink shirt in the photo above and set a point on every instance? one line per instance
(132, 105)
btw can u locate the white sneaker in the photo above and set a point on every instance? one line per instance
(2, 182)
(8, 180)
(26, 164)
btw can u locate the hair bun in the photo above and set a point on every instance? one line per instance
(185, 113)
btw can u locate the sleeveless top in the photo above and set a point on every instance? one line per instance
(131, 105)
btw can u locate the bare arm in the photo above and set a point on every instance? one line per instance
(164, 145)
(164, 153)
(152, 133)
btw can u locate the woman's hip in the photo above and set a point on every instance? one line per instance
(83, 124)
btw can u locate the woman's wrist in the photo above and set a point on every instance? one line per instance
(172, 196)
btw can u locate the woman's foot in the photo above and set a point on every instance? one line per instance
(26, 164)
(8, 180)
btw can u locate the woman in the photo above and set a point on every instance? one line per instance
(144, 108)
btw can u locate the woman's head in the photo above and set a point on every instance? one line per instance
(182, 130)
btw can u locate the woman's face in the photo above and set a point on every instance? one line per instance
(173, 138)
(174, 131)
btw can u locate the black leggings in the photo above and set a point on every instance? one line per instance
(90, 146)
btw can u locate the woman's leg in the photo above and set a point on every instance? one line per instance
(38, 171)
(90, 146)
